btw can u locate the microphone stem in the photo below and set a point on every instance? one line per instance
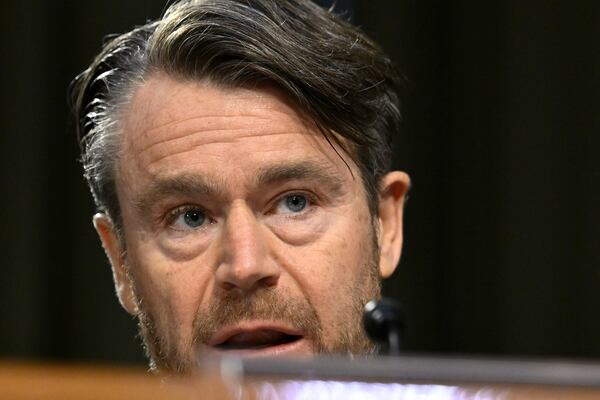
(394, 342)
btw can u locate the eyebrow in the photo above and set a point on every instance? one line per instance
(185, 184)
(305, 170)
(194, 184)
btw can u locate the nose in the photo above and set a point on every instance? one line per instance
(245, 264)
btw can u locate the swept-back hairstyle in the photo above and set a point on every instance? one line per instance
(329, 68)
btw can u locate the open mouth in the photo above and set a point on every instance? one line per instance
(257, 340)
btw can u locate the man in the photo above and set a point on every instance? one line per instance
(238, 152)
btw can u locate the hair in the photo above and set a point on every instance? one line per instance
(336, 75)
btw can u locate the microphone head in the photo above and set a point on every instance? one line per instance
(380, 317)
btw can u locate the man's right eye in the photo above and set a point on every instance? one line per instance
(187, 218)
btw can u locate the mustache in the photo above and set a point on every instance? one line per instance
(266, 304)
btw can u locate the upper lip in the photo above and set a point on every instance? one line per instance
(224, 334)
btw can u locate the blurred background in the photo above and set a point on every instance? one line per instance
(501, 132)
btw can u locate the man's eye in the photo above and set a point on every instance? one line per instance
(188, 218)
(293, 203)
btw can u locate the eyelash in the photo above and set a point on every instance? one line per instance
(172, 215)
(310, 197)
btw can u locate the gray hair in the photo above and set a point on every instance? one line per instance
(331, 69)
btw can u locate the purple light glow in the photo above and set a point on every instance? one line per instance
(316, 389)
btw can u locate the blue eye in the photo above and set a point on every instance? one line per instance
(194, 218)
(190, 218)
(294, 203)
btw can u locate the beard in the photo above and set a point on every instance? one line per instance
(272, 305)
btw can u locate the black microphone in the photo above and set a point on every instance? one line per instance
(383, 321)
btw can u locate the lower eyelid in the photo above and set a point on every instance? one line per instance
(305, 213)
(189, 230)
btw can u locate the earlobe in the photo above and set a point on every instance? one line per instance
(108, 236)
(392, 195)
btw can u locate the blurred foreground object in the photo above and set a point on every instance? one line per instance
(391, 378)
(25, 381)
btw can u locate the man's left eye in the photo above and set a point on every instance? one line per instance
(188, 218)
(293, 203)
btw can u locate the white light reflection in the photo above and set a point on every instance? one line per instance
(315, 389)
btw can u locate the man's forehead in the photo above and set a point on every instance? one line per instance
(163, 100)
(187, 127)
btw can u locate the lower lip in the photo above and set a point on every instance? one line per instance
(296, 348)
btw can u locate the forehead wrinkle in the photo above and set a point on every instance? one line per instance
(186, 137)
(192, 147)
(184, 133)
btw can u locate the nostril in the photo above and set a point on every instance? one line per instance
(227, 286)
(249, 284)
(268, 281)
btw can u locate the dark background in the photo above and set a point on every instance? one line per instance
(500, 137)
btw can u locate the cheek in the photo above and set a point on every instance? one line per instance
(170, 291)
(328, 271)
(349, 256)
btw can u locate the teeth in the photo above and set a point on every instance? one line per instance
(257, 340)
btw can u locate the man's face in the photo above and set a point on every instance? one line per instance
(245, 231)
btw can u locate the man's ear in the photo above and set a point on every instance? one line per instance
(392, 196)
(108, 236)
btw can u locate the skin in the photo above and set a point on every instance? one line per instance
(262, 260)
